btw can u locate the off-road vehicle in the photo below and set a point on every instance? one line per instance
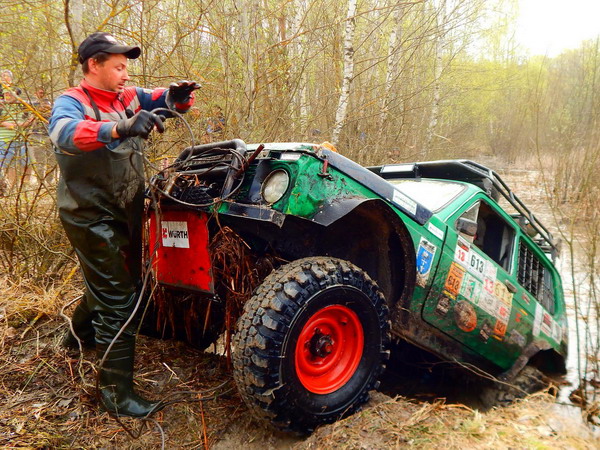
(321, 261)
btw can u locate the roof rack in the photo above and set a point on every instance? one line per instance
(481, 176)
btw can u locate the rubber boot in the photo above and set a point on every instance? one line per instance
(116, 381)
(82, 324)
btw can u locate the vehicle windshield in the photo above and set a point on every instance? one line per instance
(432, 194)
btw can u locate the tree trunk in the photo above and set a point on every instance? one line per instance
(248, 32)
(298, 73)
(74, 23)
(393, 58)
(342, 109)
(440, 42)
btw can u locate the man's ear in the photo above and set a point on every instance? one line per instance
(93, 65)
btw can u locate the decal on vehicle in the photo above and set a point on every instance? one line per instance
(471, 288)
(502, 293)
(454, 280)
(175, 234)
(465, 316)
(546, 324)
(500, 329)
(425, 256)
(537, 321)
(489, 277)
(488, 285)
(470, 259)
(556, 331)
(405, 202)
(476, 264)
(461, 252)
(503, 313)
(491, 271)
(489, 304)
(443, 304)
(435, 231)
(486, 331)
(516, 338)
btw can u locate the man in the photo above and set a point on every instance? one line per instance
(13, 122)
(98, 128)
(38, 141)
(6, 79)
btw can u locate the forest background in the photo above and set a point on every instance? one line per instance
(383, 80)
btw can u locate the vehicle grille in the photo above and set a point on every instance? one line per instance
(535, 277)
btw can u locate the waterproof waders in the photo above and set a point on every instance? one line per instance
(101, 201)
(82, 326)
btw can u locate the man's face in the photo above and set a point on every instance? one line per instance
(111, 75)
(6, 78)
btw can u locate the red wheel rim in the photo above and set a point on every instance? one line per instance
(329, 349)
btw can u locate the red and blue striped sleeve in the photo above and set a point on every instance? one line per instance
(71, 131)
(157, 98)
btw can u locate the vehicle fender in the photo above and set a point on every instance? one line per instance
(333, 211)
(388, 253)
(536, 348)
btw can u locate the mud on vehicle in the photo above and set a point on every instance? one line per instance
(322, 261)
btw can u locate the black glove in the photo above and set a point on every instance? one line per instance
(141, 124)
(181, 91)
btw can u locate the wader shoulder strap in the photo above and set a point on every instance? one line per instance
(93, 103)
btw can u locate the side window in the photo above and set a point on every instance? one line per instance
(494, 237)
(535, 277)
(470, 214)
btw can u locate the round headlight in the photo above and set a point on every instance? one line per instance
(274, 186)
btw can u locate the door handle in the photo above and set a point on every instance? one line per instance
(511, 287)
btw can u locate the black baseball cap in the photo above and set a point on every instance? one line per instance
(105, 42)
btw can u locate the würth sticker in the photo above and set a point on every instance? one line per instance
(175, 234)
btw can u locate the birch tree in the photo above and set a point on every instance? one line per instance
(393, 59)
(348, 72)
(440, 42)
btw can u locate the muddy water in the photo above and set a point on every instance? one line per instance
(528, 185)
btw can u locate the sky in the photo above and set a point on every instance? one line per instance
(547, 27)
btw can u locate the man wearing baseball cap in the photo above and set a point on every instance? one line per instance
(99, 129)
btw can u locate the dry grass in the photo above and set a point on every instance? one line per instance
(49, 401)
(393, 423)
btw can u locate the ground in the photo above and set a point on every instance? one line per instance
(50, 403)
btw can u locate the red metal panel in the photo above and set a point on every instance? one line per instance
(182, 259)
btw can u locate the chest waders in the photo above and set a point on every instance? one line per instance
(100, 200)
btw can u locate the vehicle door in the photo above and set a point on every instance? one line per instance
(472, 295)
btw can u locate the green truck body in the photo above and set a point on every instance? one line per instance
(463, 277)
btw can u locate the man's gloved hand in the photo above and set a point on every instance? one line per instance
(181, 91)
(141, 124)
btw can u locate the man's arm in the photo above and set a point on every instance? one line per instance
(161, 98)
(13, 120)
(72, 132)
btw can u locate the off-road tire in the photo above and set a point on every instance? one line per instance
(528, 381)
(269, 363)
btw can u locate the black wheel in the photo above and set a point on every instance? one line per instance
(311, 343)
(528, 381)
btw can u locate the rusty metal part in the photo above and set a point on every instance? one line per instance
(237, 273)
(249, 161)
